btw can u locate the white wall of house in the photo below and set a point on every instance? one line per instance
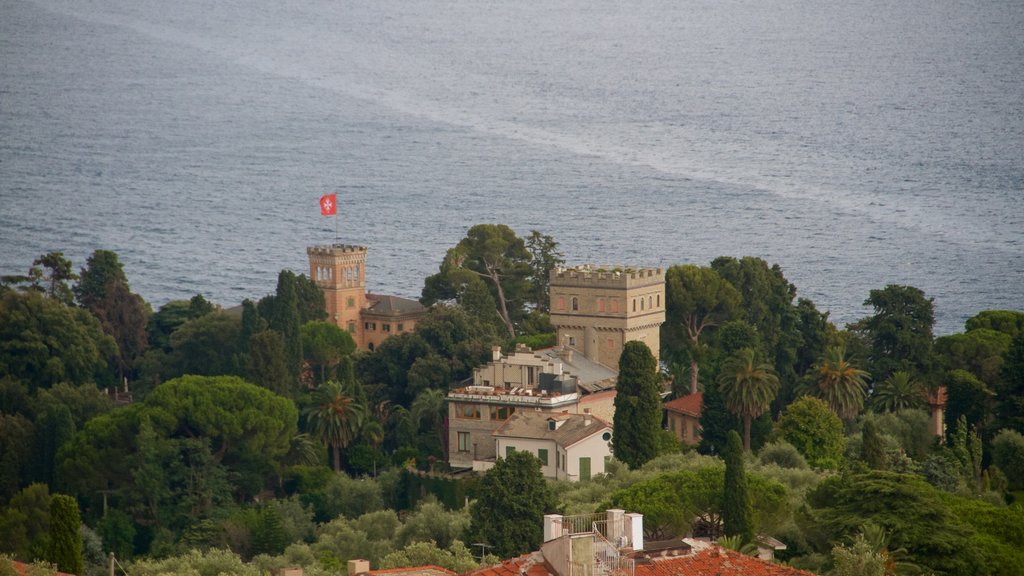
(594, 447)
(533, 447)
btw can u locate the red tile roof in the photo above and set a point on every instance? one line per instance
(716, 561)
(415, 571)
(690, 404)
(21, 569)
(525, 565)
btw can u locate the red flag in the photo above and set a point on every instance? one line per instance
(328, 205)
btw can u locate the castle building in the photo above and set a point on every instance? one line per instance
(597, 311)
(340, 272)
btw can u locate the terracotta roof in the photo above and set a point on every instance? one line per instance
(690, 404)
(716, 561)
(21, 569)
(392, 306)
(416, 571)
(525, 565)
(535, 425)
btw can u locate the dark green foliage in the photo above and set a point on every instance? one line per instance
(748, 387)
(1008, 455)
(873, 447)
(60, 273)
(782, 454)
(309, 300)
(268, 367)
(43, 342)
(124, 316)
(900, 331)
(1010, 393)
(16, 457)
(737, 513)
(492, 253)
(25, 523)
(637, 419)
(268, 534)
(282, 314)
(915, 513)
(998, 541)
(206, 346)
(171, 316)
(324, 345)
(513, 498)
(54, 427)
(544, 257)
(1009, 322)
(450, 491)
(101, 269)
(979, 351)
(65, 548)
(697, 301)
(692, 501)
(118, 533)
(815, 430)
(969, 397)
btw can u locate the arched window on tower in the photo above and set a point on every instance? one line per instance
(575, 303)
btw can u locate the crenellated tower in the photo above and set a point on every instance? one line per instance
(596, 310)
(340, 271)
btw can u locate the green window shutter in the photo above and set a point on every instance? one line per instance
(542, 453)
(585, 468)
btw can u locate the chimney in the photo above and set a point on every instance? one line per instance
(565, 354)
(496, 353)
(356, 567)
(586, 417)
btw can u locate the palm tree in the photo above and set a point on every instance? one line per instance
(839, 383)
(898, 392)
(747, 387)
(335, 417)
(428, 412)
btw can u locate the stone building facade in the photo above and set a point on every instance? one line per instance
(340, 272)
(596, 311)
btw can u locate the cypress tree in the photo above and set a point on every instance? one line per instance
(737, 512)
(65, 548)
(285, 320)
(872, 447)
(637, 421)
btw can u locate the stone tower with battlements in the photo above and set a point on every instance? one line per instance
(340, 271)
(596, 311)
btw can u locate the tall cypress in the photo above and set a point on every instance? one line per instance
(285, 319)
(872, 447)
(637, 421)
(65, 548)
(737, 512)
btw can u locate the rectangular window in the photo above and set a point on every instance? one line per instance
(558, 459)
(585, 468)
(501, 412)
(611, 343)
(509, 450)
(542, 454)
(463, 441)
(615, 305)
(351, 327)
(401, 327)
(561, 302)
(572, 340)
(464, 410)
(386, 327)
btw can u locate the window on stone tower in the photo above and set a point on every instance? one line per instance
(351, 327)
(615, 305)
(600, 304)
(575, 303)
(650, 302)
(351, 302)
(659, 300)
(641, 302)
(634, 304)
(561, 303)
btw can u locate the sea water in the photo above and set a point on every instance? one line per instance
(855, 144)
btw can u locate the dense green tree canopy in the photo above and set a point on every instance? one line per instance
(493, 253)
(899, 392)
(324, 344)
(1009, 322)
(509, 511)
(637, 419)
(697, 300)
(206, 346)
(815, 430)
(43, 342)
(1010, 392)
(979, 351)
(65, 548)
(900, 330)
